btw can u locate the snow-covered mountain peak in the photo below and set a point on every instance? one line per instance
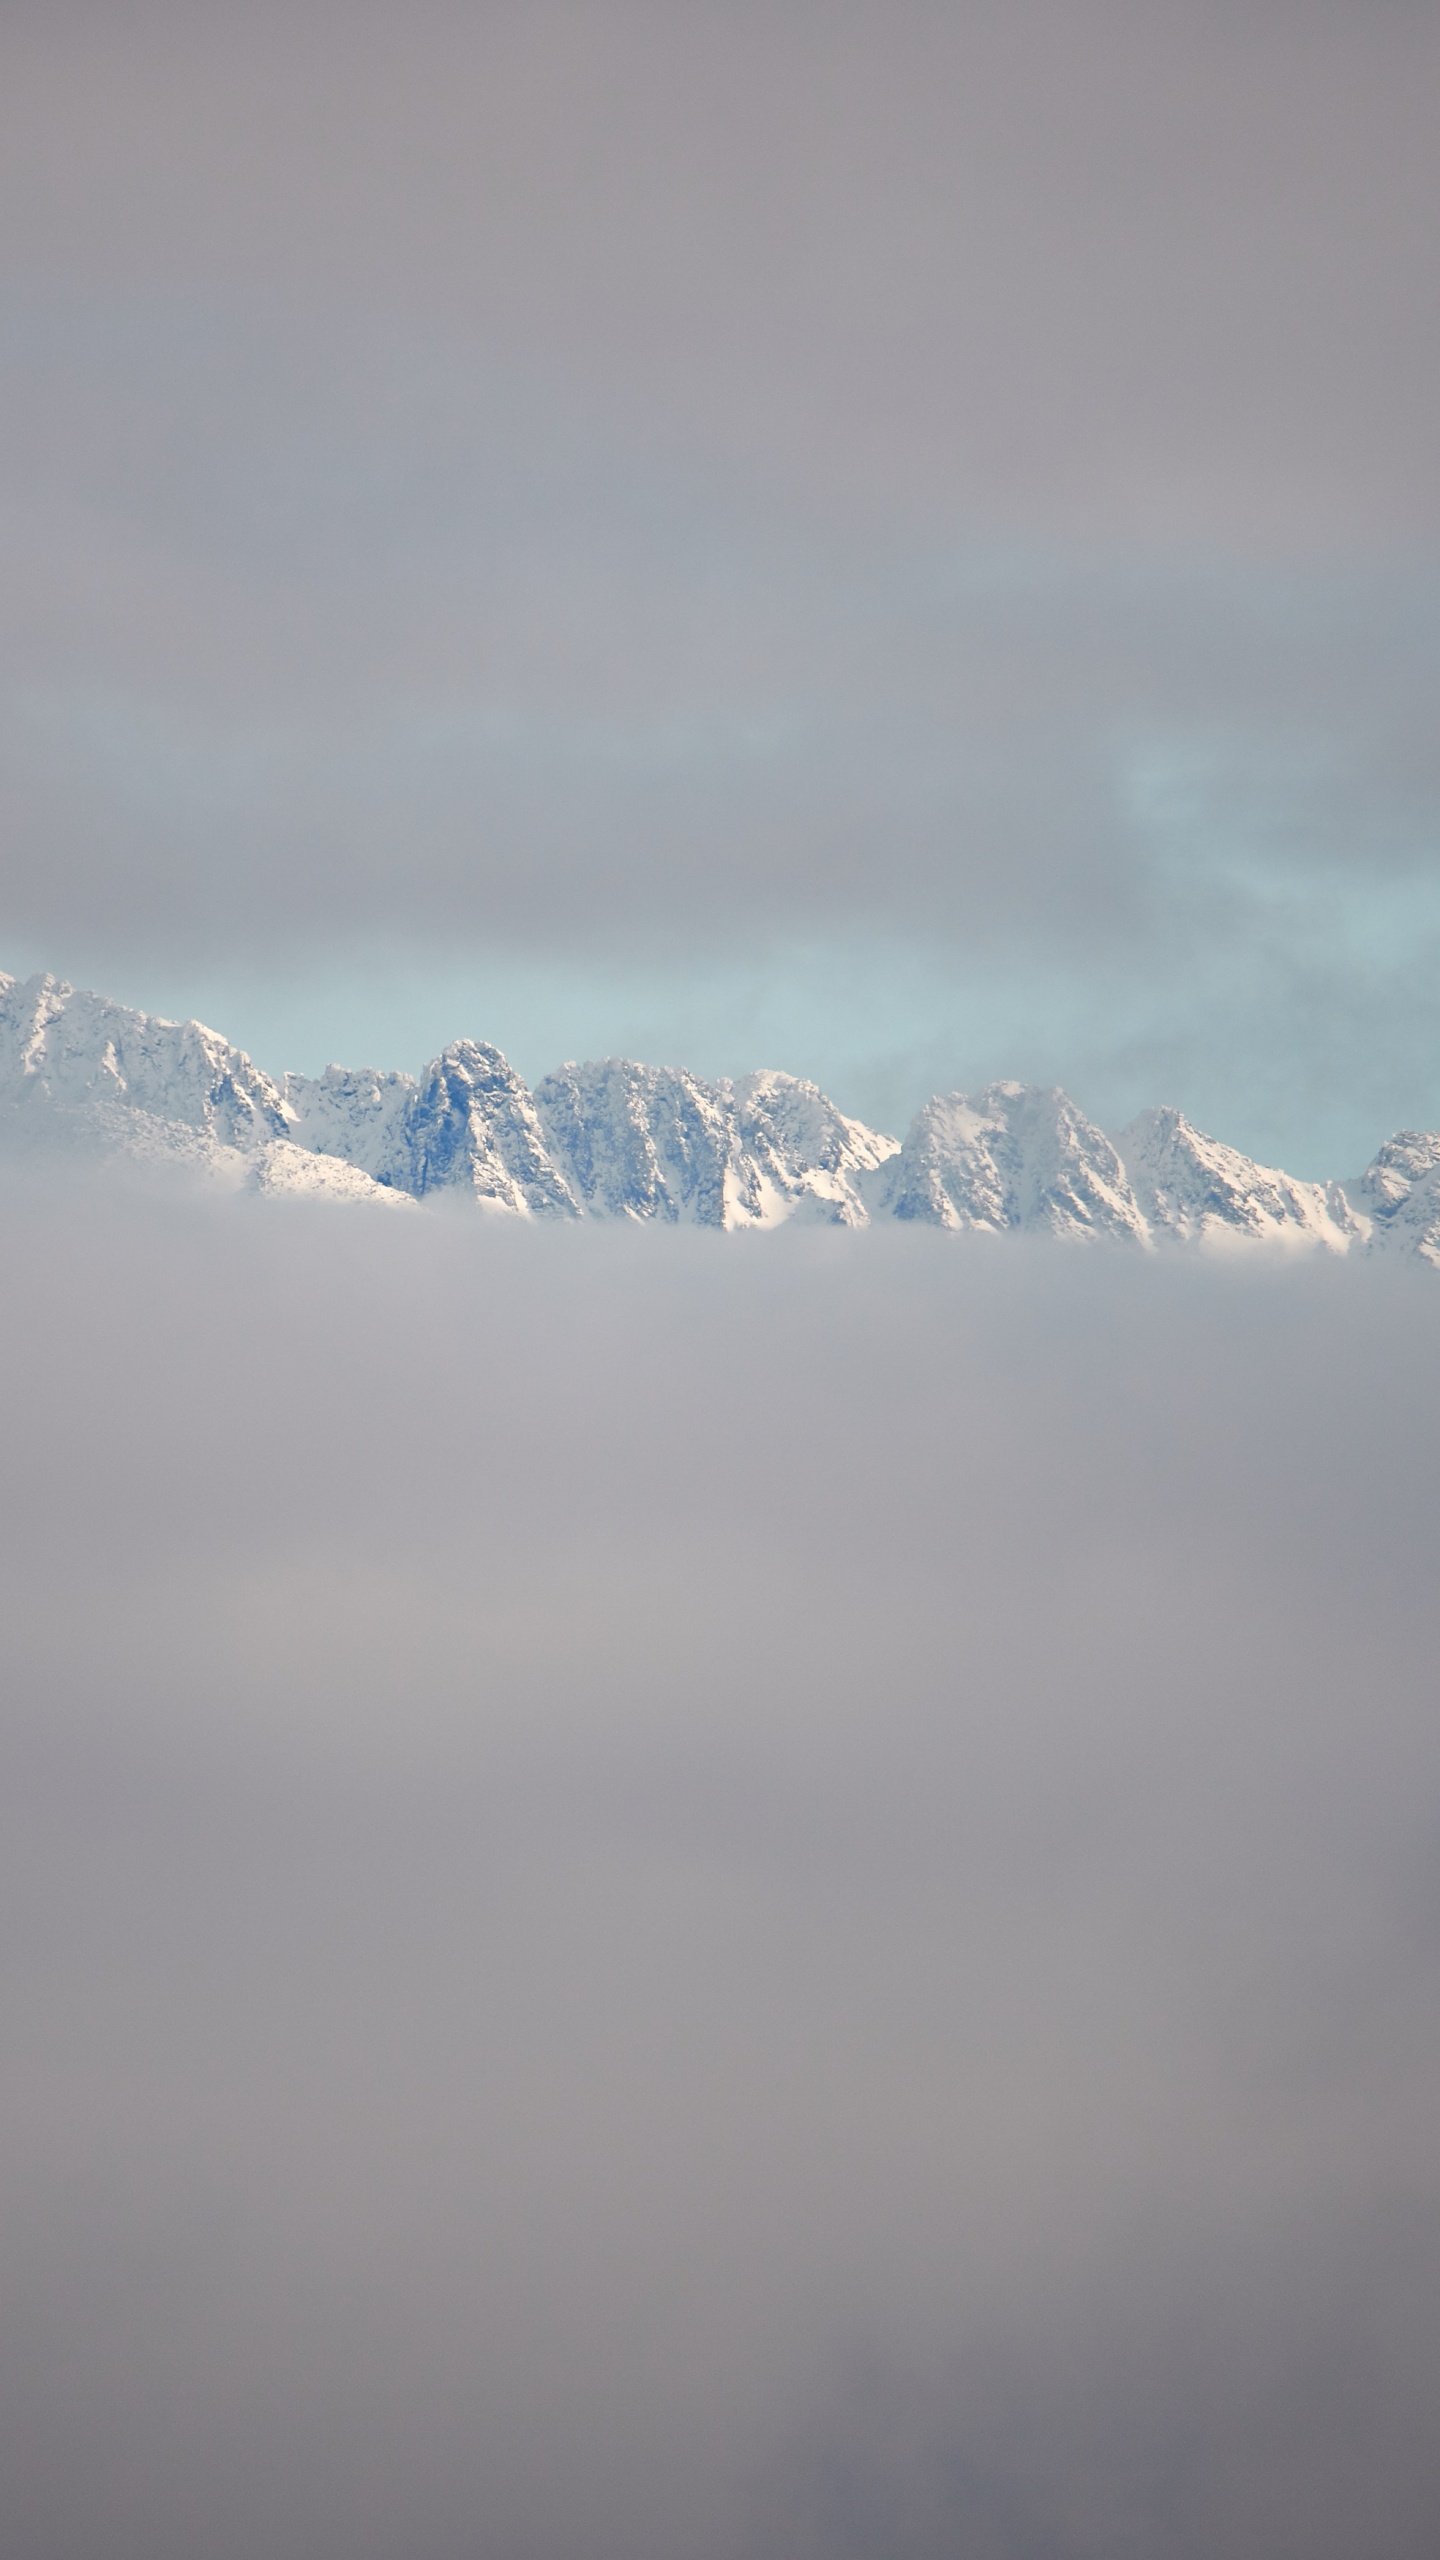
(661, 1143)
(83, 1069)
(812, 1161)
(639, 1142)
(1194, 1189)
(473, 1127)
(1012, 1156)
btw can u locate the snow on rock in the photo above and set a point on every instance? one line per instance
(284, 1171)
(641, 1142)
(616, 1140)
(806, 1159)
(658, 1142)
(76, 1069)
(467, 1127)
(473, 1128)
(1193, 1190)
(1398, 1196)
(82, 1075)
(1015, 1156)
(357, 1114)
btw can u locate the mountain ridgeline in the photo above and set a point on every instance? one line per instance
(614, 1140)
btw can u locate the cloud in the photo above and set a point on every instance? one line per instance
(457, 669)
(640, 491)
(1121, 265)
(686, 1898)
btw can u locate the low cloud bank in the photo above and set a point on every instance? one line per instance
(667, 1898)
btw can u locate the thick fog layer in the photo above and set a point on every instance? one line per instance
(670, 1896)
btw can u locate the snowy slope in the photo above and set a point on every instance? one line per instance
(282, 1170)
(1190, 1189)
(1012, 1157)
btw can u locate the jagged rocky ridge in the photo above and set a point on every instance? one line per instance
(616, 1140)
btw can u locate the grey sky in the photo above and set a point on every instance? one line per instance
(667, 1898)
(913, 529)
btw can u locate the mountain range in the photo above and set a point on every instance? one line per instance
(611, 1139)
